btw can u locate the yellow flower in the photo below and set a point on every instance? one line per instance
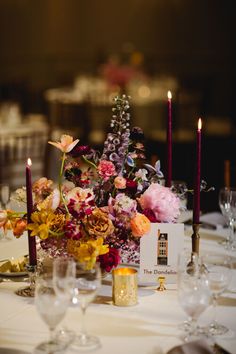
(46, 223)
(87, 252)
(66, 144)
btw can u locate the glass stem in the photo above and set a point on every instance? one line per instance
(214, 303)
(51, 334)
(83, 326)
(193, 327)
(231, 232)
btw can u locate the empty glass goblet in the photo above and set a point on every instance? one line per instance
(87, 284)
(194, 297)
(227, 203)
(64, 270)
(188, 264)
(52, 309)
(218, 271)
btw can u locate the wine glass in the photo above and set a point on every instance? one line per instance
(52, 309)
(87, 284)
(194, 297)
(187, 265)
(64, 270)
(227, 203)
(4, 200)
(218, 270)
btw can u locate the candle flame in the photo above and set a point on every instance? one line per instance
(169, 95)
(29, 162)
(199, 124)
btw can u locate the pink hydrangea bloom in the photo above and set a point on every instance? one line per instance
(106, 169)
(162, 202)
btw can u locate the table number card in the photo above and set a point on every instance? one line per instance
(159, 251)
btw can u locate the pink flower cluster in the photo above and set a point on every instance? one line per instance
(162, 202)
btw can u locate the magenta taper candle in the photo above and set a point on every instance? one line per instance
(31, 239)
(169, 142)
(197, 184)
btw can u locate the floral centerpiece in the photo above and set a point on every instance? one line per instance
(103, 202)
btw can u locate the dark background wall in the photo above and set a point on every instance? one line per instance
(46, 43)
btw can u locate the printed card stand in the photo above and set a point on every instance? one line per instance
(159, 251)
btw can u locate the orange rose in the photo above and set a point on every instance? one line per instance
(140, 225)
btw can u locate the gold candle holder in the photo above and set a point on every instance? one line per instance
(195, 238)
(28, 291)
(124, 287)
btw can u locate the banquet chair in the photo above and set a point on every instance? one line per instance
(15, 149)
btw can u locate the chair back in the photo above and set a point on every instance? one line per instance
(15, 149)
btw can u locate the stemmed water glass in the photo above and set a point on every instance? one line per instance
(64, 270)
(4, 200)
(188, 271)
(52, 309)
(219, 273)
(227, 203)
(87, 284)
(194, 297)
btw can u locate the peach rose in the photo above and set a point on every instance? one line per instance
(120, 182)
(140, 225)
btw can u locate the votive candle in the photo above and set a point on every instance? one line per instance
(124, 287)
(29, 196)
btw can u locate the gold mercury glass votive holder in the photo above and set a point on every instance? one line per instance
(124, 287)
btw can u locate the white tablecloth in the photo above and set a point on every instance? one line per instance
(150, 327)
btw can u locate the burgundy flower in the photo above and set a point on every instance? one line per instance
(109, 260)
(150, 215)
(131, 185)
(136, 134)
(80, 150)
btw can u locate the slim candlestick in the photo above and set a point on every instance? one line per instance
(169, 142)
(31, 239)
(197, 186)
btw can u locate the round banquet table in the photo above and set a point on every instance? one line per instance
(150, 327)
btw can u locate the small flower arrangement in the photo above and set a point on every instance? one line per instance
(103, 203)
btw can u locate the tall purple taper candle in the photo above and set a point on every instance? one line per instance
(31, 239)
(197, 184)
(169, 142)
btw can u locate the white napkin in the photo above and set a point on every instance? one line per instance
(195, 347)
(215, 219)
